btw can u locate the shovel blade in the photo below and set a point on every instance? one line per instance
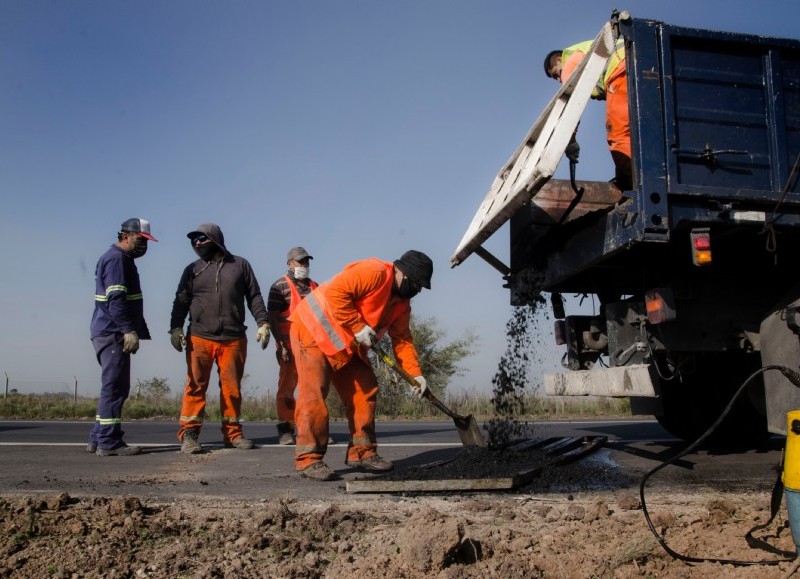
(469, 432)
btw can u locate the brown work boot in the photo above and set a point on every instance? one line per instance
(190, 444)
(241, 443)
(123, 450)
(285, 436)
(318, 471)
(372, 463)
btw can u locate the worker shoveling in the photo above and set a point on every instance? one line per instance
(468, 429)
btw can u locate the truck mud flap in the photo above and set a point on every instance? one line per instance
(482, 469)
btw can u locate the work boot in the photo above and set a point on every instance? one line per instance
(241, 443)
(285, 436)
(372, 463)
(190, 444)
(123, 450)
(91, 447)
(318, 471)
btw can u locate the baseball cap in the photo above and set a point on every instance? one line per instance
(297, 254)
(138, 225)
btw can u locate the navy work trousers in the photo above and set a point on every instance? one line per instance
(116, 385)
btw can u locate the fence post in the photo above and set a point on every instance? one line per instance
(75, 396)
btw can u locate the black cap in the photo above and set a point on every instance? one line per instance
(417, 266)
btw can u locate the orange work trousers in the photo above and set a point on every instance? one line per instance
(356, 385)
(618, 123)
(287, 381)
(201, 355)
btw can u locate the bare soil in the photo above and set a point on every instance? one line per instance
(578, 532)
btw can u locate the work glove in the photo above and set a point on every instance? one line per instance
(178, 339)
(284, 352)
(421, 387)
(573, 151)
(366, 336)
(130, 342)
(262, 336)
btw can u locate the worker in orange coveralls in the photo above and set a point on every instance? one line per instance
(213, 291)
(331, 332)
(284, 296)
(611, 87)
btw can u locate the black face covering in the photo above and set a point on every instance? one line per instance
(406, 291)
(206, 251)
(139, 249)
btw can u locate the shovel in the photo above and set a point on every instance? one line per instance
(468, 429)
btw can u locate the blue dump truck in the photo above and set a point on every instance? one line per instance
(696, 269)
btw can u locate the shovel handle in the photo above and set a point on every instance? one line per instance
(392, 363)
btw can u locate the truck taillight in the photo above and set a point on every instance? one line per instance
(660, 305)
(701, 246)
(560, 332)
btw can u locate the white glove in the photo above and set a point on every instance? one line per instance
(262, 336)
(422, 386)
(572, 151)
(178, 338)
(130, 342)
(366, 336)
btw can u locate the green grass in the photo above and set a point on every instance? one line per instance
(262, 408)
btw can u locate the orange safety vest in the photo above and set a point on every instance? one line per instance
(331, 337)
(294, 300)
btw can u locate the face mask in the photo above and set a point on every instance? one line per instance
(139, 249)
(406, 291)
(205, 251)
(301, 272)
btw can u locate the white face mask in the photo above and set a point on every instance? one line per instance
(301, 272)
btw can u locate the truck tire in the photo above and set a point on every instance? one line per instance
(708, 382)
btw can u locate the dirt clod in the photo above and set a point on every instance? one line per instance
(485, 536)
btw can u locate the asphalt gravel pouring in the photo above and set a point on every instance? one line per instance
(512, 378)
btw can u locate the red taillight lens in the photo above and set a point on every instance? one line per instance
(701, 246)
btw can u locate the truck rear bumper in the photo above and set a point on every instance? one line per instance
(633, 380)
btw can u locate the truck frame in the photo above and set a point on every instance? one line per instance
(695, 268)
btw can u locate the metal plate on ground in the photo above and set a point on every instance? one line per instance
(529, 458)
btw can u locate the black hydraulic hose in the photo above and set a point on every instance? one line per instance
(794, 377)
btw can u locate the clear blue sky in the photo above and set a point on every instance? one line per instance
(353, 128)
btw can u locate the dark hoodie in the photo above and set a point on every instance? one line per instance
(213, 293)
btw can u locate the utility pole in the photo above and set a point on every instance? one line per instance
(6, 373)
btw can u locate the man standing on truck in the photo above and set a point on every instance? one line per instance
(284, 296)
(612, 86)
(332, 331)
(213, 291)
(117, 326)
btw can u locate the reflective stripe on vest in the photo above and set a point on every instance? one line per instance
(329, 335)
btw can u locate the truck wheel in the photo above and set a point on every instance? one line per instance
(709, 381)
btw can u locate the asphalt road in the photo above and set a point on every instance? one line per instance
(47, 457)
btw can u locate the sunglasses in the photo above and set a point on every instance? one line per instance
(202, 238)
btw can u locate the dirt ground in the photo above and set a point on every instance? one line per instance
(532, 532)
